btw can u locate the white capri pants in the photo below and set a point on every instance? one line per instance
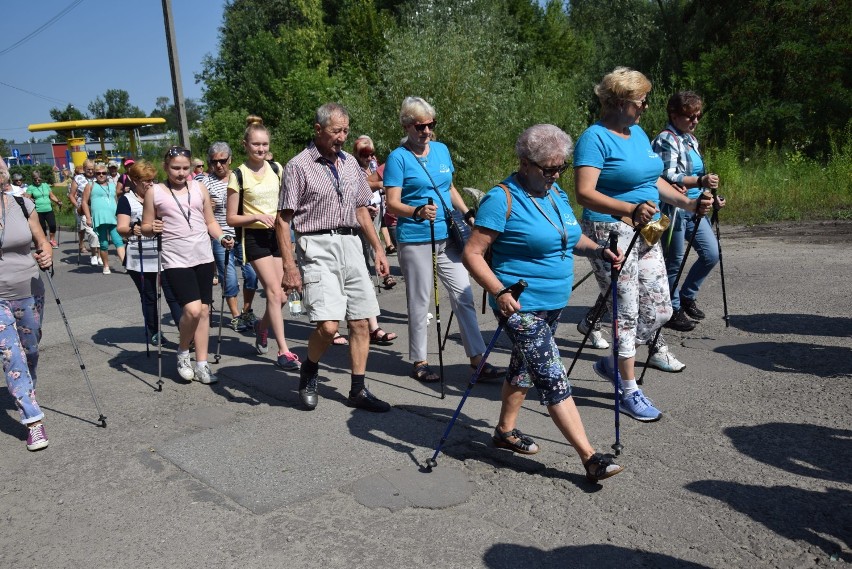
(415, 260)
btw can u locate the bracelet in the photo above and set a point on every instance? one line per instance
(633, 214)
(416, 214)
(502, 292)
(469, 214)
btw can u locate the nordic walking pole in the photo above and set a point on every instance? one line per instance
(581, 281)
(101, 416)
(217, 357)
(144, 300)
(516, 290)
(696, 221)
(447, 331)
(714, 220)
(613, 279)
(159, 310)
(437, 300)
(601, 305)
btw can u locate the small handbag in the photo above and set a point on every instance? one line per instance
(458, 229)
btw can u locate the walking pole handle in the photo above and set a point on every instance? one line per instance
(516, 289)
(613, 242)
(159, 236)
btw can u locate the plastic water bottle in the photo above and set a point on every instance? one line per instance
(294, 300)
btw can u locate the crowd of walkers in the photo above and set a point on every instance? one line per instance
(319, 224)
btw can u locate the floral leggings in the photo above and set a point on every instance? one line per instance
(535, 357)
(644, 303)
(20, 333)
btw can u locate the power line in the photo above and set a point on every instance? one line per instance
(45, 97)
(41, 28)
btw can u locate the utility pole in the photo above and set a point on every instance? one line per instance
(177, 87)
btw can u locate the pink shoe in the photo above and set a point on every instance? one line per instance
(37, 437)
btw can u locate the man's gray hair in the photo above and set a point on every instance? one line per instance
(218, 148)
(543, 141)
(328, 110)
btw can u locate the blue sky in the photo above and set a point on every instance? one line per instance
(97, 45)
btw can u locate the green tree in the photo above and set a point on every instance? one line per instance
(69, 113)
(164, 108)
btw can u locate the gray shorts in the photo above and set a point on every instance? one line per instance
(335, 281)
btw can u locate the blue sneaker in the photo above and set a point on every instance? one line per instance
(603, 368)
(639, 407)
(288, 361)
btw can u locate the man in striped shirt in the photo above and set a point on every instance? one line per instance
(324, 197)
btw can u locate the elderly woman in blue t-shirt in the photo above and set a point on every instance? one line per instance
(618, 175)
(530, 198)
(418, 170)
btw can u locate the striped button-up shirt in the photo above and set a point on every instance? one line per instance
(218, 190)
(673, 148)
(319, 199)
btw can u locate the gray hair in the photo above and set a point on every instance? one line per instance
(327, 111)
(414, 109)
(218, 148)
(543, 141)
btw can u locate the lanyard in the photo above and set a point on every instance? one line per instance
(185, 213)
(563, 232)
(333, 177)
(3, 229)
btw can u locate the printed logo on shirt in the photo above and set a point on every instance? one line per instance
(444, 169)
(653, 155)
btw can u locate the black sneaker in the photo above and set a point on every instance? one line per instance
(688, 305)
(368, 402)
(680, 322)
(308, 391)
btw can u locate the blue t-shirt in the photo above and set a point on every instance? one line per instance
(629, 167)
(403, 170)
(697, 170)
(529, 247)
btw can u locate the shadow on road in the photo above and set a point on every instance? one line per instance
(600, 556)
(792, 357)
(801, 324)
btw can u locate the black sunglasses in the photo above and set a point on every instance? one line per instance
(695, 117)
(101, 173)
(178, 151)
(551, 172)
(422, 127)
(220, 161)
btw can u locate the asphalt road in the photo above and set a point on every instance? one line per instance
(749, 467)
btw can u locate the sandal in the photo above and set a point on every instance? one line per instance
(490, 372)
(390, 282)
(379, 336)
(515, 440)
(339, 340)
(422, 372)
(390, 250)
(601, 466)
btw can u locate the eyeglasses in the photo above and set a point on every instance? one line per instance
(643, 103)
(178, 151)
(422, 126)
(218, 162)
(101, 173)
(551, 172)
(695, 117)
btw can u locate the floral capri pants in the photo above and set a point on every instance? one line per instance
(535, 357)
(644, 303)
(20, 333)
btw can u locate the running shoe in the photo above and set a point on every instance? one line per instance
(596, 339)
(261, 342)
(249, 318)
(368, 402)
(237, 324)
(308, 391)
(636, 405)
(184, 367)
(680, 322)
(54, 244)
(288, 361)
(691, 309)
(204, 375)
(603, 368)
(664, 360)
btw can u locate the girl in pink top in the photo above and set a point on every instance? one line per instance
(180, 212)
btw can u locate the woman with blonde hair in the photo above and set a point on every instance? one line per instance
(253, 206)
(617, 175)
(418, 170)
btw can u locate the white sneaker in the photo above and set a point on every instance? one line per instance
(95, 260)
(664, 360)
(107, 271)
(596, 339)
(204, 375)
(184, 367)
(100, 261)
